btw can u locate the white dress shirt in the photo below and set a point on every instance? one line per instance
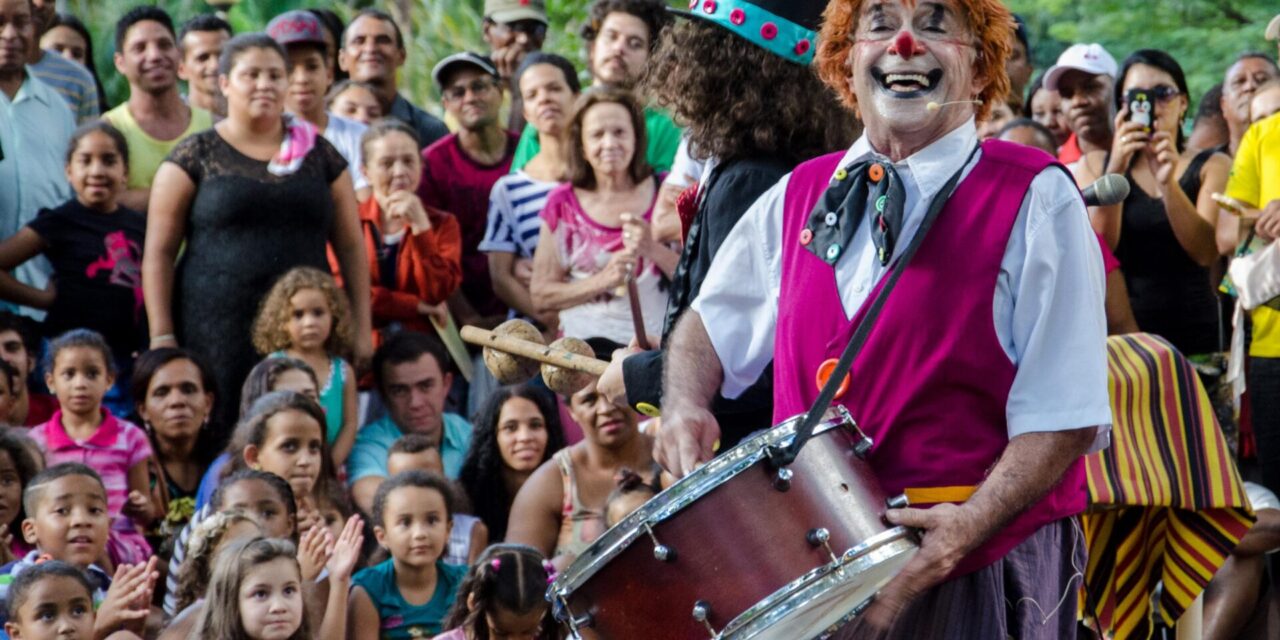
(1048, 311)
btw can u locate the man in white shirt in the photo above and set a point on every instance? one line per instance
(994, 330)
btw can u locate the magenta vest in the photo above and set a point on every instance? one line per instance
(931, 382)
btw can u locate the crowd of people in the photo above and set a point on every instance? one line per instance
(239, 405)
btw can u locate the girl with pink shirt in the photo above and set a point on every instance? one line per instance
(502, 597)
(80, 371)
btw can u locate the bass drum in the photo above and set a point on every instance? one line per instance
(737, 550)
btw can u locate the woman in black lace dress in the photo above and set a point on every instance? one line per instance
(241, 204)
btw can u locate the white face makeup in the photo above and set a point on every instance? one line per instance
(908, 54)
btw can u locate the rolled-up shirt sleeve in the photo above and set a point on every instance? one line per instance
(738, 301)
(1057, 331)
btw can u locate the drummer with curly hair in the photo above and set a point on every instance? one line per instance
(779, 115)
(983, 379)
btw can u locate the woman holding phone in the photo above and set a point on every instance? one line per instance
(1163, 233)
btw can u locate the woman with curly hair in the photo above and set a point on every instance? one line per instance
(753, 108)
(305, 316)
(516, 430)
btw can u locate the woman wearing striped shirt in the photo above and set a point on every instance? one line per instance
(548, 85)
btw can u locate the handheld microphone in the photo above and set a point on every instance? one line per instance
(934, 106)
(1110, 189)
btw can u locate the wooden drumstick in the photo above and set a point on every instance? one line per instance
(534, 351)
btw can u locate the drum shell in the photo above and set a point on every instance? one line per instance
(736, 545)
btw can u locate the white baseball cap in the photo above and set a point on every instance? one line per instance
(1273, 28)
(1089, 58)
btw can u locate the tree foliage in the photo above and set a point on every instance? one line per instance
(1205, 36)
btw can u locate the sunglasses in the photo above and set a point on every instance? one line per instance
(1160, 93)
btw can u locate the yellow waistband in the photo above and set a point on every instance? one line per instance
(936, 495)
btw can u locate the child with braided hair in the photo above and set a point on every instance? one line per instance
(503, 597)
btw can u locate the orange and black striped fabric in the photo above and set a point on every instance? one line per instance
(1166, 501)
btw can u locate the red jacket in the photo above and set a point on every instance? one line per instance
(428, 269)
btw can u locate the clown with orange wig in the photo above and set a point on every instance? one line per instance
(980, 368)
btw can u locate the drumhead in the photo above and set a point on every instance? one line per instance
(683, 493)
(830, 601)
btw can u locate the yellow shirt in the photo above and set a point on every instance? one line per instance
(146, 153)
(1255, 181)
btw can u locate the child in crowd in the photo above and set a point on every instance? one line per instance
(272, 374)
(18, 465)
(256, 594)
(408, 595)
(53, 600)
(632, 492)
(67, 520)
(213, 533)
(94, 245)
(504, 597)
(305, 316)
(354, 100)
(416, 452)
(335, 508)
(80, 371)
(264, 496)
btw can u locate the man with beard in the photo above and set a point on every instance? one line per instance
(200, 42)
(748, 147)
(154, 119)
(372, 52)
(620, 36)
(72, 81)
(1084, 77)
(459, 170)
(994, 329)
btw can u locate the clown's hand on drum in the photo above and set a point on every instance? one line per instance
(686, 440)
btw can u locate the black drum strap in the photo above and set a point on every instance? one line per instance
(781, 456)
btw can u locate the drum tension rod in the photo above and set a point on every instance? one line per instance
(702, 613)
(576, 623)
(661, 552)
(821, 537)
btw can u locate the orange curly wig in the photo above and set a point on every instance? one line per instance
(992, 26)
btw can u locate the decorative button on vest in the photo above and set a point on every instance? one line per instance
(824, 374)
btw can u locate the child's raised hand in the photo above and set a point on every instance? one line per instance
(138, 506)
(346, 551)
(313, 552)
(128, 601)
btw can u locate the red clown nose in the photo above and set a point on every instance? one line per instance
(906, 46)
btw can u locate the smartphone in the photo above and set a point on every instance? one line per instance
(1139, 107)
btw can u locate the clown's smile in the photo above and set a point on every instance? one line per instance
(907, 85)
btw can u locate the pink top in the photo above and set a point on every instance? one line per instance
(452, 634)
(112, 450)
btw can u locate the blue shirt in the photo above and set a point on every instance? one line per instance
(72, 81)
(374, 440)
(35, 129)
(401, 620)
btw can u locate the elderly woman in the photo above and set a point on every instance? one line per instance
(595, 230)
(548, 86)
(250, 199)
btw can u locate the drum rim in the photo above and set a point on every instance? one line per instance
(683, 493)
(775, 608)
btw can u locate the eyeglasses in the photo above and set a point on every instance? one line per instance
(459, 91)
(1160, 93)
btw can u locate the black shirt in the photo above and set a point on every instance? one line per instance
(731, 189)
(96, 259)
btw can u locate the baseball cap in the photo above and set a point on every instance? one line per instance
(514, 10)
(465, 58)
(1273, 28)
(1089, 58)
(295, 27)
